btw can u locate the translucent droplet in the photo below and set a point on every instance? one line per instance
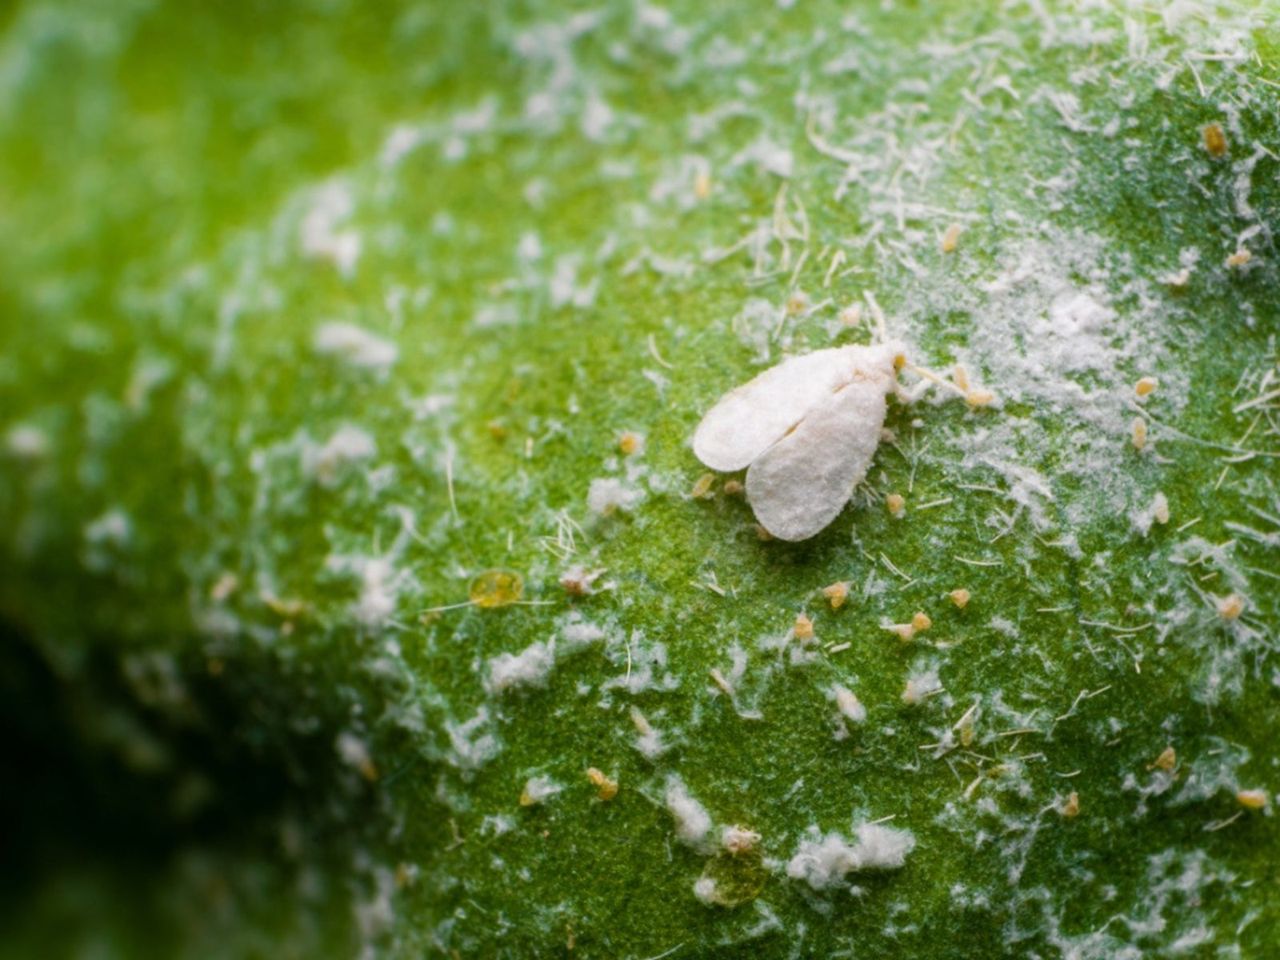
(496, 588)
(732, 879)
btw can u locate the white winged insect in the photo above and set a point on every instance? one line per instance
(806, 430)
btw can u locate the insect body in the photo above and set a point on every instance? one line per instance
(806, 431)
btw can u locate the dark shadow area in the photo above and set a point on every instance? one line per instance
(136, 824)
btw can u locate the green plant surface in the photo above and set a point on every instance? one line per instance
(315, 312)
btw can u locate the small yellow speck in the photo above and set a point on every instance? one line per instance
(903, 631)
(1239, 258)
(1167, 760)
(497, 429)
(797, 303)
(606, 787)
(896, 503)
(836, 593)
(960, 377)
(628, 442)
(1071, 806)
(1146, 386)
(1215, 140)
(496, 588)
(803, 628)
(702, 487)
(702, 185)
(1138, 435)
(733, 488)
(951, 238)
(1252, 799)
(979, 397)
(960, 597)
(1231, 606)
(921, 622)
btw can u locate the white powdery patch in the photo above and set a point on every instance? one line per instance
(531, 667)
(348, 445)
(355, 346)
(768, 156)
(564, 287)
(577, 633)
(25, 442)
(472, 745)
(354, 752)
(380, 585)
(402, 140)
(1066, 326)
(849, 709)
(693, 823)
(646, 666)
(706, 890)
(320, 234)
(608, 495)
(824, 861)
(113, 528)
(756, 324)
(648, 738)
(538, 789)
(597, 118)
(1077, 331)
(921, 685)
(1156, 510)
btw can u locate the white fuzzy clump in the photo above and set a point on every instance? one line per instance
(355, 346)
(319, 233)
(693, 823)
(472, 744)
(354, 752)
(824, 862)
(848, 704)
(112, 528)
(1156, 511)
(608, 495)
(25, 442)
(920, 686)
(538, 789)
(646, 664)
(705, 889)
(348, 445)
(648, 739)
(531, 667)
(578, 634)
(379, 587)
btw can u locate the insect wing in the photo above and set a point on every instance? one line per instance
(801, 483)
(751, 418)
